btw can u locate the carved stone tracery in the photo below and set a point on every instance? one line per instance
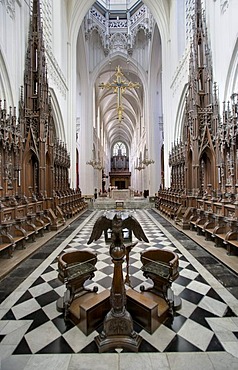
(119, 33)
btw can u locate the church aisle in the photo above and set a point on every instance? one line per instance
(204, 331)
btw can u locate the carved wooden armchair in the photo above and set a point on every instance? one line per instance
(162, 267)
(75, 267)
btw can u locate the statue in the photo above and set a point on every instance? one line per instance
(117, 224)
(118, 329)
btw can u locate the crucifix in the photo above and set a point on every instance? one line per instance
(119, 86)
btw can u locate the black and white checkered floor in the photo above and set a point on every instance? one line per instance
(207, 322)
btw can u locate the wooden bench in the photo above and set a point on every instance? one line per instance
(209, 226)
(36, 223)
(219, 239)
(192, 221)
(231, 238)
(208, 232)
(45, 220)
(147, 309)
(219, 231)
(40, 226)
(89, 310)
(6, 243)
(229, 244)
(200, 221)
(17, 233)
(30, 230)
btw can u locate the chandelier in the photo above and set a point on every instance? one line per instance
(140, 166)
(97, 165)
(147, 161)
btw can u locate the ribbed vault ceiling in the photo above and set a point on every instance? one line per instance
(132, 102)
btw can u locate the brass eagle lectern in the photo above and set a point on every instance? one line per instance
(118, 329)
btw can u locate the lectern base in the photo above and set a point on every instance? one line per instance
(118, 332)
(113, 342)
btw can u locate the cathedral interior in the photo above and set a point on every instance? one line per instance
(118, 184)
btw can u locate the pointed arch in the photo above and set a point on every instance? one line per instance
(189, 172)
(5, 84)
(179, 121)
(30, 170)
(207, 168)
(57, 117)
(231, 85)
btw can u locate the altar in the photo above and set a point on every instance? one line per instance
(121, 194)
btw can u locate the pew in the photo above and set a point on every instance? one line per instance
(231, 237)
(212, 215)
(17, 233)
(220, 230)
(6, 242)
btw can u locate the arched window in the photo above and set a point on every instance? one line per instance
(119, 159)
(119, 149)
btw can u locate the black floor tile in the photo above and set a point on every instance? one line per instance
(22, 348)
(27, 295)
(38, 318)
(199, 315)
(47, 298)
(147, 347)
(191, 296)
(214, 345)
(62, 325)
(175, 323)
(179, 344)
(57, 346)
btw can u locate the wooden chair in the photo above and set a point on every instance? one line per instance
(162, 267)
(75, 267)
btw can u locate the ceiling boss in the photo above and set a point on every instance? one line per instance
(119, 86)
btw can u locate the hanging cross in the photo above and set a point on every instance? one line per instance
(119, 86)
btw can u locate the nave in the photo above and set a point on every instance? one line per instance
(203, 332)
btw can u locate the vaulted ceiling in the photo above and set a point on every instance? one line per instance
(132, 101)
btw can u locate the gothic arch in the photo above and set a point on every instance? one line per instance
(231, 85)
(57, 117)
(207, 168)
(189, 172)
(30, 170)
(5, 85)
(179, 120)
(78, 9)
(48, 176)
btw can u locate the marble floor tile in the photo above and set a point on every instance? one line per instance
(198, 287)
(42, 336)
(25, 308)
(145, 361)
(190, 361)
(160, 338)
(196, 334)
(77, 340)
(213, 305)
(194, 328)
(104, 361)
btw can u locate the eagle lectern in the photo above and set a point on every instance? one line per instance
(118, 329)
